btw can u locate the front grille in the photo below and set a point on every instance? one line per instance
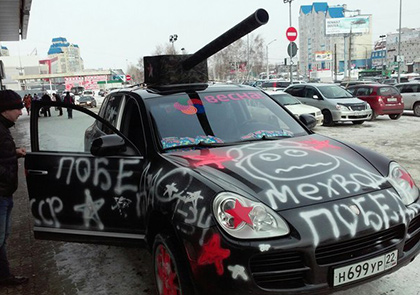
(351, 249)
(414, 237)
(357, 107)
(278, 270)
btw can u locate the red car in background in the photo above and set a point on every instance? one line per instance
(383, 99)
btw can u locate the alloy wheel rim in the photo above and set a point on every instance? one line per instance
(166, 276)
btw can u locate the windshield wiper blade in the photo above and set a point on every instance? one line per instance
(195, 145)
(264, 137)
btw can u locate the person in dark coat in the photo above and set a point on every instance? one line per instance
(46, 110)
(69, 100)
(10, 109)
(58, 99)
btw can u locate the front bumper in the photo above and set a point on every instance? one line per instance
(298, 263)
(350, 116)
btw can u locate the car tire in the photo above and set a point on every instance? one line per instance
(416, 109)
(358, 122)
(395, 116)
(170, 271)
(328, 120)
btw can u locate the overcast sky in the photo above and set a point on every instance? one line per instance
(114, 34)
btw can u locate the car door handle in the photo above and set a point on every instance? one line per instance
(37, 172)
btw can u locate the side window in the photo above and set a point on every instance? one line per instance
(296, 91)
(363, 91)
(407, 89)
(111, 111)
(132, 124)
(310, 92)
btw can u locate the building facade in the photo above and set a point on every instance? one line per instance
(67, 54)
(333, 39)
(409, 50)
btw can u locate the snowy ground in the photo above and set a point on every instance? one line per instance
(115, 270)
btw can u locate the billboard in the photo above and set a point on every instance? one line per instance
(344, 25)
(323, 55)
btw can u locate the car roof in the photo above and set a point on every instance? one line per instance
(147, 93)
(374, 85)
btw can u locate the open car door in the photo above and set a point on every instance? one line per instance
(82, 182)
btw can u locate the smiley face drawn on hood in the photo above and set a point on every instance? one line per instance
(284, 161)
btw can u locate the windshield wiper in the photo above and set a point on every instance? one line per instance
(264, 137)
(195, 145)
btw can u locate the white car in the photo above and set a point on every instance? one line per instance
(295, 106)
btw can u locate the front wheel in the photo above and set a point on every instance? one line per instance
(328, 119)
(416, 109)
(171, 274)
(395, 116)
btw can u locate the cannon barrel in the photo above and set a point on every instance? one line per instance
(255, 20)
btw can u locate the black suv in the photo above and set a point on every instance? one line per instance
(231, 193)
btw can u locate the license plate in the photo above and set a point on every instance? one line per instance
(364, 269)
(392, 99)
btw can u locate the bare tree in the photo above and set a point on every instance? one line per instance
(240, 61)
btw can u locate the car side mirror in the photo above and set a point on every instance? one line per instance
(108, 145)
(315, 96)
(308, 120)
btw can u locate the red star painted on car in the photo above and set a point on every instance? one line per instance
(213, 253)
(240, 214)
(208, 160)
(405, 176)
(320, 144)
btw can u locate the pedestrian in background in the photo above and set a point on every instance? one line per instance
(27, 99)
(10, 109)
(58, 99)
(46, 110)
(69, 100)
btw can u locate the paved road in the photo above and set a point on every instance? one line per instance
(57, 268)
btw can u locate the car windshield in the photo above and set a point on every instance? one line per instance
(219, 118)
(285, 99)
(334, 92)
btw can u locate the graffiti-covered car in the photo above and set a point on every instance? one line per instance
(230, 192)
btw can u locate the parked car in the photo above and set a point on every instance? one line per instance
(87, 101)
(335, 103)
(411, 95)
(88, 93)
(383, 99)
(346, 84)
(295, 106)
(229, 191)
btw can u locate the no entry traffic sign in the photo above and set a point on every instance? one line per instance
(291, 34)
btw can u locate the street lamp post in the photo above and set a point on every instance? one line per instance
(290, 24)
(268, 74)
(399, 46)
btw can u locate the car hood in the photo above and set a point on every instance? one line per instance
(352, 100)
(288, 173)
(302, 109)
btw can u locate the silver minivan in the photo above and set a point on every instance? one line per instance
(336, 103)
(411, 95)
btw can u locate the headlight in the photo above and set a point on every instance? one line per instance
(245, 219)
(403, 183)
(342, 108)
(368, 106)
